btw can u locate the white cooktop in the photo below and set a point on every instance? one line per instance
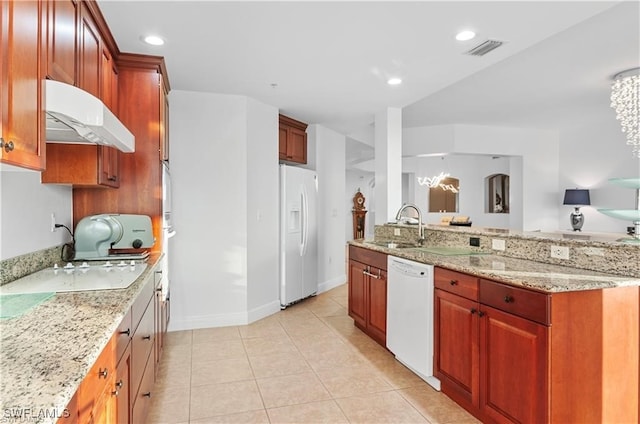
(71, 278)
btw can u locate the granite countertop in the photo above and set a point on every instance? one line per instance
(533, 275)
(47, 352)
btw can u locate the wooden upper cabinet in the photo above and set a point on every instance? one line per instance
(87, 165)
(82, 165)
(62, 31)
(89, 53)
(21, 92)
(292, 140)
(109, 86)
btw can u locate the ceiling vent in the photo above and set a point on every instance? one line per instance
(484, 48)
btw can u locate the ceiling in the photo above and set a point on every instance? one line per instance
(327, 62)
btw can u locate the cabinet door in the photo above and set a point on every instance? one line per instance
(90, 53)
(108, 164)
(109, 86)
(22, 71)
(514, 372)
(456, 346)
(122, 388)
(61, 40)
(377, 306)
(297, 145)
(357, 293)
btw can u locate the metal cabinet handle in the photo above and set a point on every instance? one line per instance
(119, 384)
(453, 282)
(146, 337)
(509, 299)
(371, 275)
(148, 394)
(473, 311)
(127, 332)
(481, 314)
(103, 372)
(7, 146)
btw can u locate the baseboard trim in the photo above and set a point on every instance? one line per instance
(332, 283)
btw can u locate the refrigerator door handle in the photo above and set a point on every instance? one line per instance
(305, 221)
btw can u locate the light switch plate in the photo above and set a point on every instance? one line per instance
(396, 231)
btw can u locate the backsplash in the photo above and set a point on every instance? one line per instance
(585, 252)
(13, 268)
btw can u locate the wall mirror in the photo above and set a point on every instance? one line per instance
(444, 197)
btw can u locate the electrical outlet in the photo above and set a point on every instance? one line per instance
(498, 244)
(593, 251)
(53, 222)
(396, 231)
(560, 252)
(474, 241)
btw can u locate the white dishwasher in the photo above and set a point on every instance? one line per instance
(410, 316)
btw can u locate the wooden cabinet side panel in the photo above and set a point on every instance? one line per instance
(140, 173)
(594, 356)
(513, 368)
(456, 346)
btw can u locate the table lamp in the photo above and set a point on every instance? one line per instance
(576, 198)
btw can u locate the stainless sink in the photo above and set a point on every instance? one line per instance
(450, 251)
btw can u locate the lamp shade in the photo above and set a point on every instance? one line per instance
(576, 197)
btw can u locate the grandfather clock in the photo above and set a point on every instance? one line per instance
(358, 213)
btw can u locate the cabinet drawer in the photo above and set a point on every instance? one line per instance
(368, 257)
(141, 346)
(527, 304)
(123, 335)
(140, 304)
(456, 282)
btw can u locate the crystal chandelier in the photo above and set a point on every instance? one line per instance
(625, 99)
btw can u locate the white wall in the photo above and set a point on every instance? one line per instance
(538, 149)
(25, 212)
(211, 135)
(590, 155)
(471, 171)
(330, 167)
(262, 210)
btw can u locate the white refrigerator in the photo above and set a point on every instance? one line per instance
(298, 234)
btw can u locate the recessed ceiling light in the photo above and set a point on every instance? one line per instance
(465, 35)
(394, 81)
(154, 40)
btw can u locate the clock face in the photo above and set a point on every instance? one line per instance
(360, 200)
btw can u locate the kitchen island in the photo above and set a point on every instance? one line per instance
(47, 352)
(518, 340)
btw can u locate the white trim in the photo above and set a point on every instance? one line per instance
(332, 283)
(225, 320)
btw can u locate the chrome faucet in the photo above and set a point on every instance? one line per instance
(420, 229)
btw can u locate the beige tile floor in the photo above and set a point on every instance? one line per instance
(306, 364)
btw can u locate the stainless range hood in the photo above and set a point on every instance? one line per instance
(75, 116)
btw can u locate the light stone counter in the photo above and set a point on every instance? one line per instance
(543, 277)
(47, 352)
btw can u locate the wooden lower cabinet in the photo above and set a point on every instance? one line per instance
(368, 292)
(512, 355)
(118, 387)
